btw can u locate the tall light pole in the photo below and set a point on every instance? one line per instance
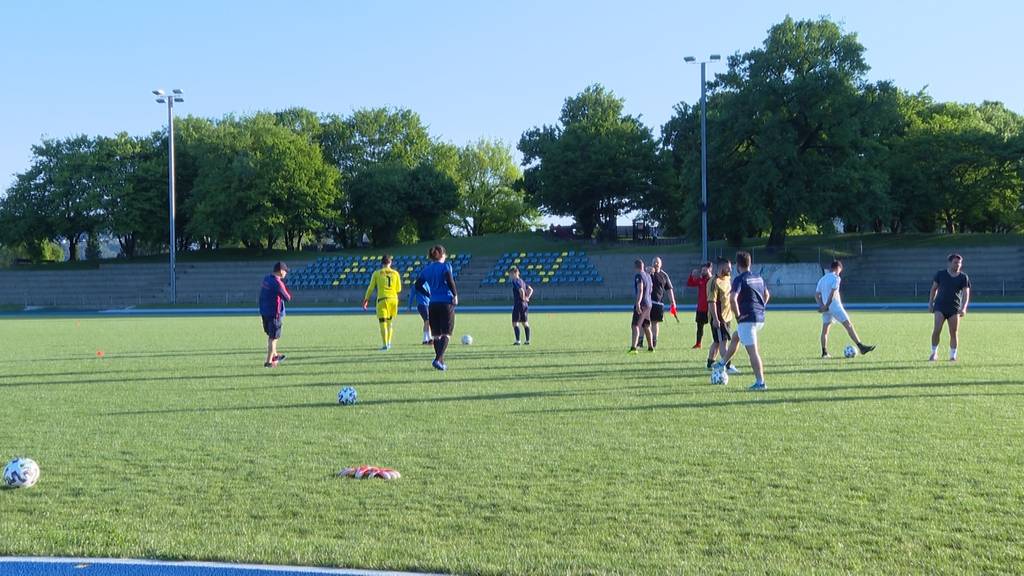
(170, 99)
(703, 152)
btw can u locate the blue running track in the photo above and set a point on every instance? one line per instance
(110, 567)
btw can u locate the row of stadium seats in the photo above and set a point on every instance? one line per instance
(568, 267)
(332, 272)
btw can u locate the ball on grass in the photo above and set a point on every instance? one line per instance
(347, 396)
(467, 340)
(849, 351)
(21, 473)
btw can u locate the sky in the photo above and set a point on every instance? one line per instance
(471, 69)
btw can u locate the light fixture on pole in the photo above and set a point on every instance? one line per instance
(176, 95)
(703, 152)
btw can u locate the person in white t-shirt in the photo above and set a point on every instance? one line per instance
(831, 307)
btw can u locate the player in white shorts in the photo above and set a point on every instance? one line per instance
(831, 307)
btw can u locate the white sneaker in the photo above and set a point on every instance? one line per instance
(933, 357)
(733, 370)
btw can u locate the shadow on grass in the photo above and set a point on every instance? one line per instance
(498, 396)
(766, 399)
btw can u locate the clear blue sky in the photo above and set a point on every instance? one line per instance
(471, 69)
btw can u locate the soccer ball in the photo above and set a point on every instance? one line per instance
(719, 377)
(347, 396)
(849, 351)
(467, 340)
(21, 473)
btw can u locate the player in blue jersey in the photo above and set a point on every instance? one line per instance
(273, 295)
(641, 323)
(748, 298)
(521, 294)
(422, 303)
(444, 297)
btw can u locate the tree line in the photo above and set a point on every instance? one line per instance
(798, 139)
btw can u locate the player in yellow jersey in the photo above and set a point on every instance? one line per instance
(388, 283)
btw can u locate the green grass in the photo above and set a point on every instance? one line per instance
(567, 457)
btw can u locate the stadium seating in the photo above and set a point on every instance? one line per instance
(338, 272)
(569, 268)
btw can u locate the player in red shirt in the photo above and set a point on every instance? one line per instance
(699, 278)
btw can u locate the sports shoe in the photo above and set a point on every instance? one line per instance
(270, 364)
(696, 346)
(427, 342)
(865, 349)
(649, 349)
(439, 365)
(711, 366)
(952, 358)
(826, 355)
(389, 345)
(632, 352)
(517, 343)
(279, 358)
(732, 369)
(527, 343)
(758, 387)
(933, 357)
(384, 348)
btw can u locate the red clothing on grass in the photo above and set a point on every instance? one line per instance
(702, 291)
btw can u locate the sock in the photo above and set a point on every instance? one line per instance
(426, 335)
(527, 329)
(515, 328)
(384, 332)
(700, 333)
(710, 362)
(391, 331)
(728, 364)
(935, 349)
(437, 349)
(443, 345)
(824, 351)
(952, 352)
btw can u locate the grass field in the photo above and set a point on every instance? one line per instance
(567, 457)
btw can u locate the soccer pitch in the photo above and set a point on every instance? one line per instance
(565, 457)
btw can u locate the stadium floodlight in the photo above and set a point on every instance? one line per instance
(703, 151)
(170, 100)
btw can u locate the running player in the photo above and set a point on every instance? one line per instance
(661, 285)
(831, 307)
(950, 295)
(521, 294)
(699, 278)
(422, 302)
(641, 308)
(720, 313)
(388, 284)
(748, 298)
(273, 295)
(444, 297)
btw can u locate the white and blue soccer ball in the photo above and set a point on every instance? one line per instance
(21, 473)
(719, 377)
(849, 351)
(467, 340)
(347, 396)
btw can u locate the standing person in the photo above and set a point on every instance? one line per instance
(699, 278)
(422, 302)
(388, 284)
(521, 294)
(748, 297)
(641, 308)
(273, 295)
(950, 295)
(661, 285)
(438, 281)
(831, 307)
(720, 313)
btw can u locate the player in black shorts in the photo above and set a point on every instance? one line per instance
(661, 285)
(521, 294)
(951, 292)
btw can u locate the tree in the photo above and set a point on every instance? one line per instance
(259, 182)
(596, 163)
(491, 195)
(374, 136)
(803, 126)
(375, 195)
(132, 181)
(57, 197)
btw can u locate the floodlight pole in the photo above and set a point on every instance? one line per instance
(703, 152)
(174, 96)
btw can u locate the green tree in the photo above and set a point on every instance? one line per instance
(491, 194)
(132, 181)
(57, 197)
(376, 200)
(804, 128)
(596, 163)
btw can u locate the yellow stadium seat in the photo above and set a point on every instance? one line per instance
(544, 280)
(501, 280)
